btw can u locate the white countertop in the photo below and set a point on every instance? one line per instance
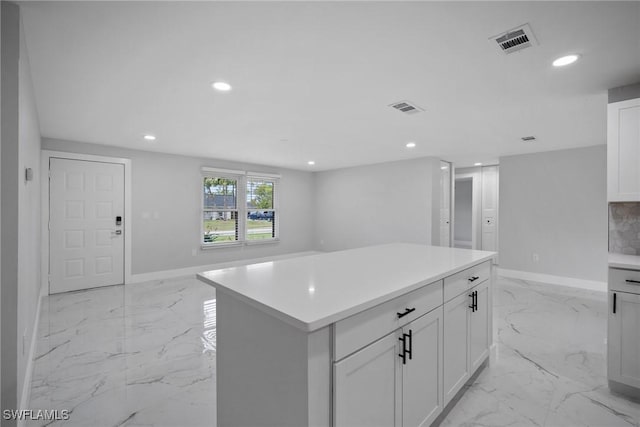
(313, 291)
(630, 262)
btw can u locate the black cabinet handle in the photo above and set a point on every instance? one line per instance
(410, 337)
(407, 311)
(632, 281)
(475, 300)
(403, 355)
(473, 279)
(472, 306)
(614, 302)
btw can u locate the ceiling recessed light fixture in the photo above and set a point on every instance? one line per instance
(565, 60)
(311, 163)
(411, 144)
(477, 164)
(444, 168)
(150, 137)
(221, 86)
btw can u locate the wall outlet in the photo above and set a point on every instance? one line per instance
(535, 257)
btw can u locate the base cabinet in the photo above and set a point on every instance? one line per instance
(396, 381)
(624, 338)
(467, 328)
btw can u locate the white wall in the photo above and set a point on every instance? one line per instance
(29, 277)
(166, 193)
(463, 210)
(10, 52)
(20, 209)
(554, 204)
(382, 203)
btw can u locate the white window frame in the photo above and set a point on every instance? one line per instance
(276, 213)
(241, 177)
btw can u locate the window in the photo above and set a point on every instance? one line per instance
(261, 216)
(226, 219)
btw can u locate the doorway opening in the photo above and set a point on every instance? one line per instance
(463, 237)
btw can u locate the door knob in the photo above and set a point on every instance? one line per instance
(117, 232)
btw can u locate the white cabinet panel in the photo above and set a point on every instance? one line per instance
(623, 151)
(367, 385)
(624, 338)
(422, 399)
(480, 327)
(456, 345)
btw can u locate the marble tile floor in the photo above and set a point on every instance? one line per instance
(144, 355)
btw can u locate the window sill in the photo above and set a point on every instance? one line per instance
(205, 246)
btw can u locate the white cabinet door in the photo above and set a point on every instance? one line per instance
(623, 151)
(624, 338)
(422, 374)
(456, 344)
(479, 326)
(367, 386)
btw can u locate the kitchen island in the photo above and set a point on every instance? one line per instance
(383, 335)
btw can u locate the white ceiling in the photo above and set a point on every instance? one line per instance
(313, 81)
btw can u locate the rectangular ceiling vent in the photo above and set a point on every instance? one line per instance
(515, 39)
(528, 138)
(406, 107)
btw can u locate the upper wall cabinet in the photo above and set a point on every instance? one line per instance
(623, 151)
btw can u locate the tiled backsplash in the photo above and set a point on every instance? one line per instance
(624, 228)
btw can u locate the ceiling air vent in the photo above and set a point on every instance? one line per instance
(528, 138)
(406, 107)
(515, 39)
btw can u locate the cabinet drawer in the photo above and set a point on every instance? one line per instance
(460, 282)
(624, 280)
(366, 327)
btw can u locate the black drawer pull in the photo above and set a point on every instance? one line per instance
(614, 302)
(407, 311)
(473, 305)
(632, 281)
(403, 355)
(473, 279)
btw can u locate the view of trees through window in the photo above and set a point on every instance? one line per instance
(223, 218)
(260, 212)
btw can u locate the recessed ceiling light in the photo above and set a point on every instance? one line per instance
(311, 163)
(150, 137)
(411, 144)
(444, 168)
(565, 60)
(221, 86)
(477, 164)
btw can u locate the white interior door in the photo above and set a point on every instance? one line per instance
(445, 203)
(86, 224)
(490, 208)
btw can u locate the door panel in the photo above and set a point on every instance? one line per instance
(84, 199)
(479, 327)
(445, 203)
(456, 345)
(422, 375)
(489, 208)
(624, 339)
(367, 384)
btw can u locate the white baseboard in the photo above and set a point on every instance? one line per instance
(188, 271)
(28, 372)
(572, 282)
